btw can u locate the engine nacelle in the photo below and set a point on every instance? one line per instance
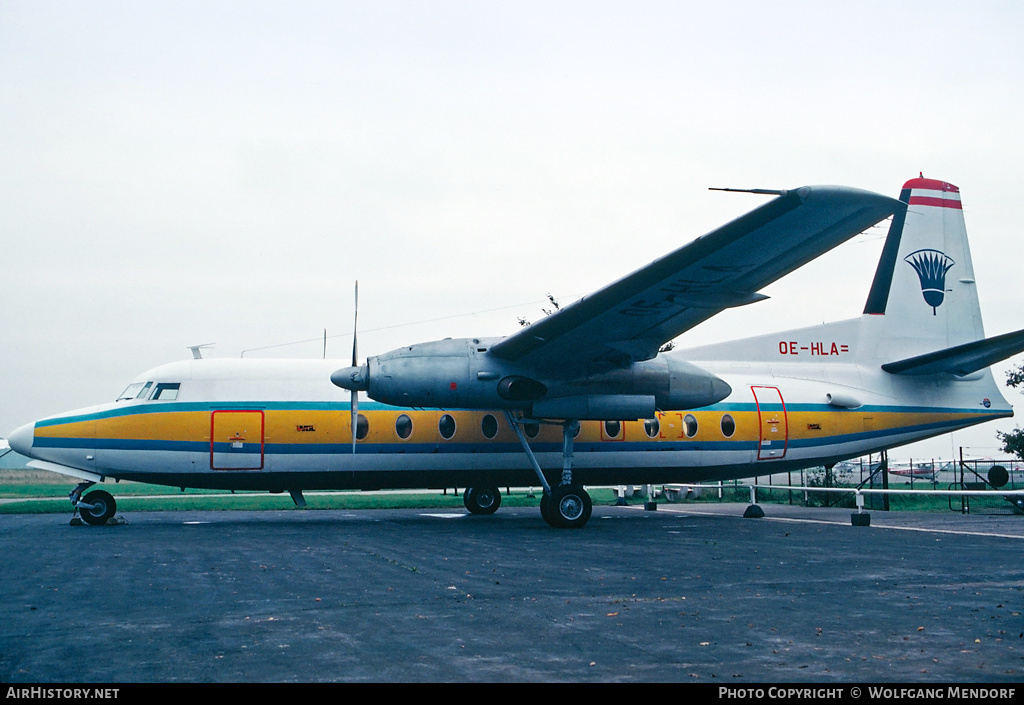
(461, 374)
(428, 374)
(673, 383)
(452, 374)
(602, 407)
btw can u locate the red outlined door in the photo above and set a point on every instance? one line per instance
(236, 440)
(772, 421)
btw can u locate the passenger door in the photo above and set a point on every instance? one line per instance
(774, 426)
(236, 439)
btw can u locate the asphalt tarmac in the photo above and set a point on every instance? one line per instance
(688, 593)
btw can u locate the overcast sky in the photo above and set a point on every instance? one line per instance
(178, 173)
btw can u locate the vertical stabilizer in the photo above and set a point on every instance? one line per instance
(924, 296)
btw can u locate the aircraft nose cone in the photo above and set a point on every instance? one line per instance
(21, 439)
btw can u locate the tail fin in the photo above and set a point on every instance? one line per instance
(924, 293)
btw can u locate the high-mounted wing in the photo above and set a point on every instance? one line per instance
(631, 318)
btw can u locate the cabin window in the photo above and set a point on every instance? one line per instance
(166, 391)
(446, 426)
(362, 427)
(403, 426)
(728, 426)
(612, 428)
(690, 425)
(652, 427)
(531, 429)
(489, 426)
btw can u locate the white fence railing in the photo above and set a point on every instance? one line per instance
(859, 493)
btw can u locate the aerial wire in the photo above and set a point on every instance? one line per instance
(397, 325)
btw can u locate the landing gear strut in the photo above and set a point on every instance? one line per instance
(567, 506)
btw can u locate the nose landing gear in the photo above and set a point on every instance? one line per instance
(96, 507)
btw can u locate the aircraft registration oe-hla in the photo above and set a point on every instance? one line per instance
(584, 396)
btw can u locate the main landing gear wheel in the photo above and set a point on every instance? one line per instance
(482, 500)
(567, 507)
(97, 507)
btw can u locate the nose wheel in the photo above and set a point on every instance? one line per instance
(96, 507)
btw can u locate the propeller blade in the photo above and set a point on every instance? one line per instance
(355, 330)
(355, 418)
(354, 399)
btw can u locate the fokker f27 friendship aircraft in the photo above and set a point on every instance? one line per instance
(584, 397)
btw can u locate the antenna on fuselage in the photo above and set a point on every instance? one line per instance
(759, 191)
(196, 354)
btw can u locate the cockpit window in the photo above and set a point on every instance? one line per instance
(130, 392)
(166, 391)
(136, 390)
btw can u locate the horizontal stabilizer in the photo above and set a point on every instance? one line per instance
(963, 359)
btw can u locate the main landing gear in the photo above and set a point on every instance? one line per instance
(567, 506)
(96, 507)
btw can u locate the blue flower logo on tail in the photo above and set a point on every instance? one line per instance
(931, 267)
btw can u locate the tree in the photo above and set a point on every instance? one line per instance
(1013, 442)
(525, 323)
